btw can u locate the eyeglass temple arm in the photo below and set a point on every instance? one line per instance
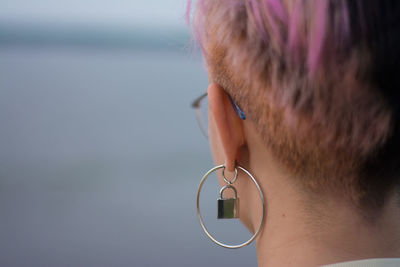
(196, 102)
(238, 110)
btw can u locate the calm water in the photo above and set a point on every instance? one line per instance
(100, 158)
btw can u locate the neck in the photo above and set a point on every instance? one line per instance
(293, 239)
(300, 232)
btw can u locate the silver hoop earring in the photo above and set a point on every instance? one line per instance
(228, 208)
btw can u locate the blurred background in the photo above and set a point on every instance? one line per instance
(100, 153)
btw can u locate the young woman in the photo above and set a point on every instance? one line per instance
(304, 95)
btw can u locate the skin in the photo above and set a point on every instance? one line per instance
(299, 229)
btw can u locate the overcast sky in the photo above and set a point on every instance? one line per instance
(140, 13)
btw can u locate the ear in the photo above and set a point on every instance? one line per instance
(228, 124)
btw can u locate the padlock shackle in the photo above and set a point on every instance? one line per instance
(228, 186)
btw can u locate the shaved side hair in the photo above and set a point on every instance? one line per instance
(320, 80)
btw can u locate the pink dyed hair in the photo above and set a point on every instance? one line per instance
(301, 71)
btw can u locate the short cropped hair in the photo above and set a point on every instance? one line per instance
(320, 80)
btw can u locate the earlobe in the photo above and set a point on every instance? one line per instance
(228, 124)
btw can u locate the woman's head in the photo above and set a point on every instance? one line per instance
(318, 79)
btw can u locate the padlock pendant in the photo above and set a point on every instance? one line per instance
(228, 208)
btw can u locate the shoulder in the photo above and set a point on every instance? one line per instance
(383, 262)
